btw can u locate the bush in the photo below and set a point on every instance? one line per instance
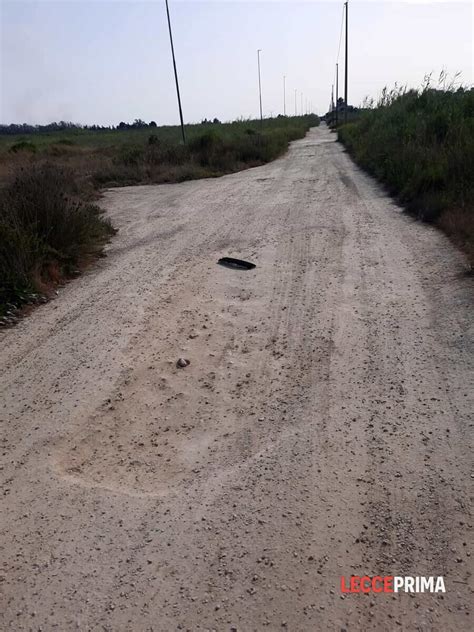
(23, 145)
(118, 175)
(45, 230)
(421, 145)
(207, 147)
(166, 154)
(129, 156)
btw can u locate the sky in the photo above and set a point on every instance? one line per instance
(106, 61)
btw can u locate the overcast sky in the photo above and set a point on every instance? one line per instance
(104, 61)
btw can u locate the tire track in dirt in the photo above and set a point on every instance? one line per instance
(320, 430)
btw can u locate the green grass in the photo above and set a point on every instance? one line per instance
(46, 232)
(420, 144)
(156, 155)
(211, 150)
(98, 139)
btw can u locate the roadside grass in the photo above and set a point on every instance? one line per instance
(420, 144)
(156, 155)
(49, 224)
(106, 138)
(46, 233)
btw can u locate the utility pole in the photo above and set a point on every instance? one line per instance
(284, 95)
(295, 103)
(337, 91)
(346, 61)
(302, 111)
(260, 86)
(175, 74)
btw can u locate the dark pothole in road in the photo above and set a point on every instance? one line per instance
(236, 264)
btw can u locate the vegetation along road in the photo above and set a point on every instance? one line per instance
(319, 431)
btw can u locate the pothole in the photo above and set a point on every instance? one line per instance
(236, 264)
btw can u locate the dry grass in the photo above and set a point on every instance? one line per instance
(420, 143)
(46, 231)
(458, 224)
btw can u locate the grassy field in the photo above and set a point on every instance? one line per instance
(155, 155)
(420, 144)
(49, 226)
(167, 133)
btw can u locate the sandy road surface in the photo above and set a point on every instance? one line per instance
(320, 430)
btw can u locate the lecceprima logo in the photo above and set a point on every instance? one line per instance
(392, 584)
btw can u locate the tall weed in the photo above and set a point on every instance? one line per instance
(420, 143)
(45, 229)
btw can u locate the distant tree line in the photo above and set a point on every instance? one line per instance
(66, 126)
(137, 124)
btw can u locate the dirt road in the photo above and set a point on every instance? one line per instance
(320, 431)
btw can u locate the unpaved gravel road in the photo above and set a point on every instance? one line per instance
(320, 430)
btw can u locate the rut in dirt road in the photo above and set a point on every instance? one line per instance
(319, 431)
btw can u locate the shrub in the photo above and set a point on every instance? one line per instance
(206, 147)
(421, 145)
(23, 145)
(43, 227)
(118, 175)
(166, 154)
(129, 156)
(59, 149)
